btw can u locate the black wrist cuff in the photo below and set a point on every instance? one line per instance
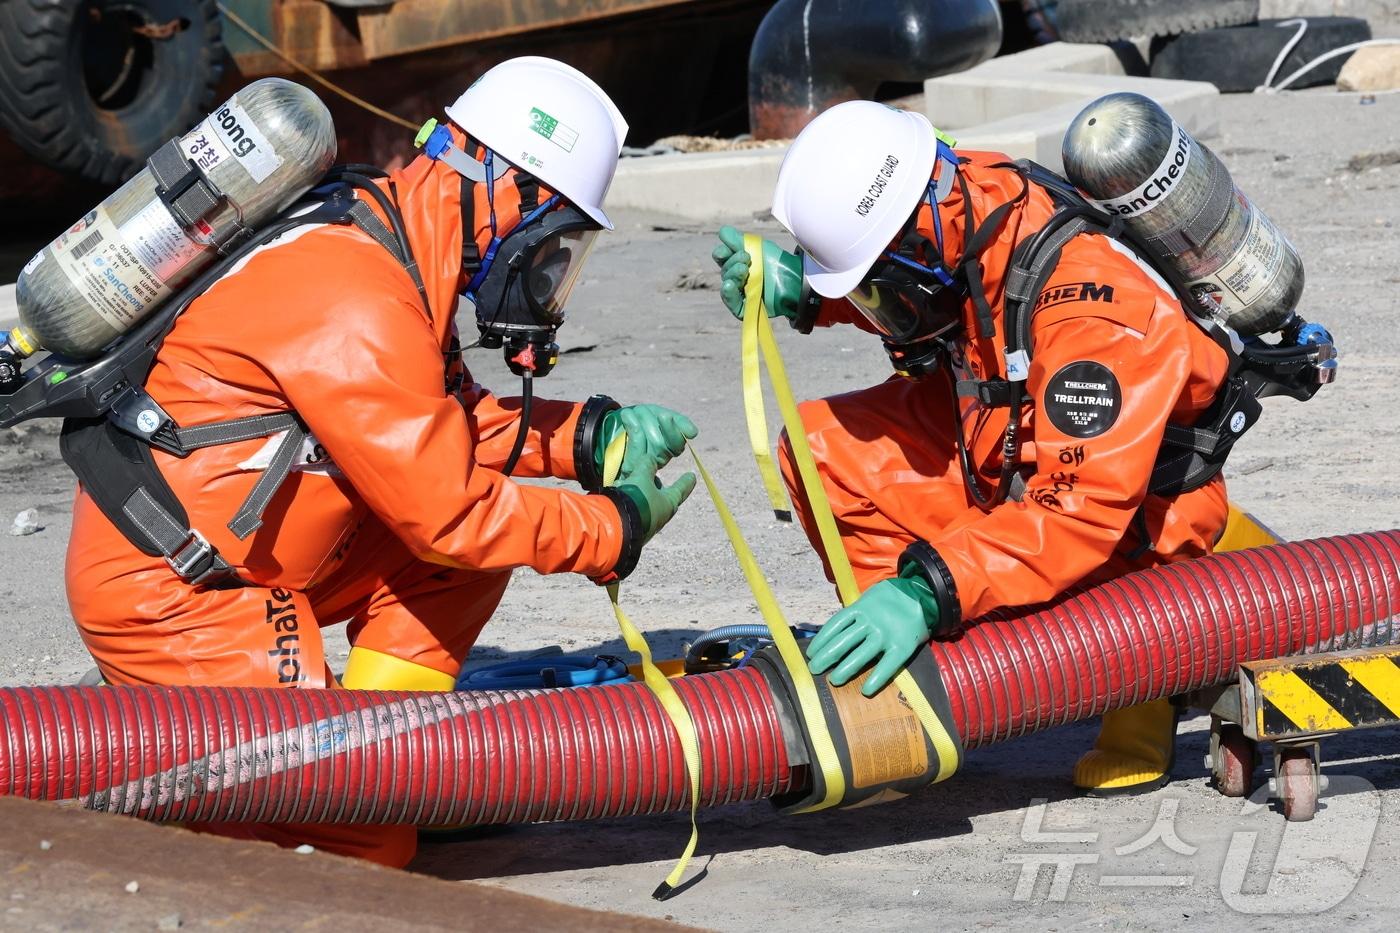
(940, 579)
(632, 534)
(590, 421)
(809, 308)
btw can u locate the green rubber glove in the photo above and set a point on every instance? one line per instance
(782, 275)
(890, 621)
(656, 503)
(654, 436)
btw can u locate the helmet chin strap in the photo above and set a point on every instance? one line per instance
(435, 140)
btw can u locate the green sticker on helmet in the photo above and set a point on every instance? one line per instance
(551, 129)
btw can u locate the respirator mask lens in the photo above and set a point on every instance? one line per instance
(907, 305)
(552, 270)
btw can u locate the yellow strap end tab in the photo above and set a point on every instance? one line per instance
(660, 687)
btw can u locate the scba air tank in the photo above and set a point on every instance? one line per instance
(1125, 152)
(236, 169)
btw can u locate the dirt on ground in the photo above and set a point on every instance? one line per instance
(62, 868)
(647, 325)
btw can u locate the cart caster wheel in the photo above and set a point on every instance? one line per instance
(1233, 760)
(1297, 784)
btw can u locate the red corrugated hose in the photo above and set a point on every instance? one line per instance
(231, 754)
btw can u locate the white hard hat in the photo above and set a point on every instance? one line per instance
(848, 184)
(550, 120)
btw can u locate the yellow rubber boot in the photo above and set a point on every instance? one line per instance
(367, 669)
(1134, 752)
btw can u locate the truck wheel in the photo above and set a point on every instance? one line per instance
(92, 87)
(1109, 20)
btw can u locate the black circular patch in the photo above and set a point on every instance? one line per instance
(1083, 399)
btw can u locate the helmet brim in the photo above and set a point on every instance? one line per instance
(830, 284)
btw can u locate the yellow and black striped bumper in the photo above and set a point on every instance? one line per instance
(1332, 692)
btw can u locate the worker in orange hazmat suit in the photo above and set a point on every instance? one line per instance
(395, 510)
(1011, 458)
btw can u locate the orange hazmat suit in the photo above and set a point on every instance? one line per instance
(397, 518)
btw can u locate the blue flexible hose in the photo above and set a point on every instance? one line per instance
(729, 633)
(536, 673)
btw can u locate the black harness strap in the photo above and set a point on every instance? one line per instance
(248, 518)
(235, 430)
(471, 253)
(529, 188)
(180, 184)
(978, 238)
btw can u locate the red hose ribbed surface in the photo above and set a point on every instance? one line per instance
(346, 756)
(1169, 630)
(225, 754)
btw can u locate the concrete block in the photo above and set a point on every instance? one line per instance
(725, 186)
(1026, 116)
(1084, 58)
(1020, 104)
(977, 97)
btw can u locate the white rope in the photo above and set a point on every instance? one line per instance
(1302, 25)
(1268, 87)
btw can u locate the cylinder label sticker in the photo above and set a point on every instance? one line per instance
(1246, 276)
(204, 146)
(244, 141)
(1160, 183)
(885, 738)
(106, 272)
(33, 263)
(158, 241)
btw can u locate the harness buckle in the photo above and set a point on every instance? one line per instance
(192, 561)
(994, 393)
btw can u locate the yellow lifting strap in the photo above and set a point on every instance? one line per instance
(806, 689)
(756, 319)
(754, 413)
(665, 693)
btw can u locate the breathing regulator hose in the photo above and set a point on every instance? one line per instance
(527, 402)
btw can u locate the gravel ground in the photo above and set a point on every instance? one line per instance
(648, 327)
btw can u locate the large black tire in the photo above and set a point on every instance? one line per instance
(1239, 58)
(1110, 20)
(92, 87)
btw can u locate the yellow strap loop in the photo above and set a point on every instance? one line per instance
(836, 557)
(754, 413)
(665, 693)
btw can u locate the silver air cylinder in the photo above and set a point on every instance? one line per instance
(260, 151)
(1125, 152)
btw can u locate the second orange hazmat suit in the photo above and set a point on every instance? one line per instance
(888, 454)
